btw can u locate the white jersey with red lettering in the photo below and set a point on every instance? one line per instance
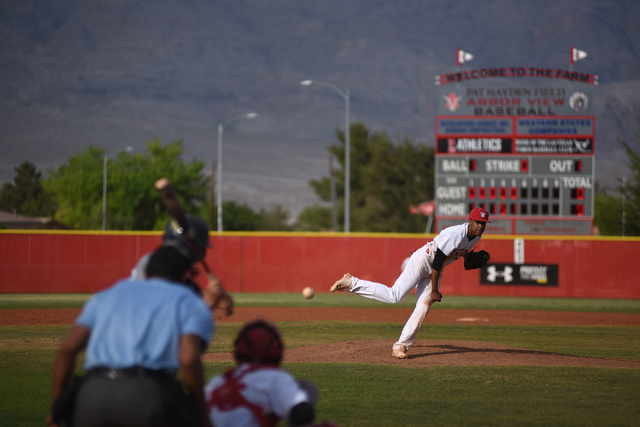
(453, 242)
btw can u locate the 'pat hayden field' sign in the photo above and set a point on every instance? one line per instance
(518, 101)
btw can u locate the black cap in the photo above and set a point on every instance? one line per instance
(168, 262)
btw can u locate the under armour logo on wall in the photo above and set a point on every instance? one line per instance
(493, 273)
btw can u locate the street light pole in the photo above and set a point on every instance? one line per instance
(104, 194)
(219, 180)
(347, 139)
(347, 161)
(221, 127)
(624, 193)
(334, 208)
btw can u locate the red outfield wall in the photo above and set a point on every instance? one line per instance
(52, 261)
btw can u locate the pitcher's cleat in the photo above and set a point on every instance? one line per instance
(343, 284)
(400, 353)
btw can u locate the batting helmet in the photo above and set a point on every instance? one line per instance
(259, 342)
(174, 236)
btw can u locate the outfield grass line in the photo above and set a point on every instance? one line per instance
(23, 301)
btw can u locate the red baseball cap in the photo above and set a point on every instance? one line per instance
(479, 214)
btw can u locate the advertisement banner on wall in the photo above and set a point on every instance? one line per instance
(554, 146)
(520, 274)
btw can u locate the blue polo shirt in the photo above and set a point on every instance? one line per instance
(140, 322)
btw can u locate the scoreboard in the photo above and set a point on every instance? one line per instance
(535, 175)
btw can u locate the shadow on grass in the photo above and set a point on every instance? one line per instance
(455, 349)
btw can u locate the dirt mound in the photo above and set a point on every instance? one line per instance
(432, 353)
(422, 353)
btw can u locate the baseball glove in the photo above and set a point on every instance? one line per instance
(476, 259)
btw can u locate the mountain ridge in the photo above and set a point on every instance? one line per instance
(120, 73)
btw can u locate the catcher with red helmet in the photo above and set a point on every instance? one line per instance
(258, 342)
(257, 392)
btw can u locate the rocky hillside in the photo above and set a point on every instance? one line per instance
(118, 73)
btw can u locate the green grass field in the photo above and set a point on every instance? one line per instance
(355, 394)
(20, 301)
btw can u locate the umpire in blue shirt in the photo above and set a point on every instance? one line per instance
(137, 335)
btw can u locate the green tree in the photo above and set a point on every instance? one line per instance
(77, 189)
(386, 178)
(241, 217)
(237, 217)
(607, 215)
(26, 195)
(132, 202)
(315, 218)
(630, 185)
(273, 220)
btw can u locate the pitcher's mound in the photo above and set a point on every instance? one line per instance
(433, 353)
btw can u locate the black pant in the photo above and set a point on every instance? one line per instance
(136, 401)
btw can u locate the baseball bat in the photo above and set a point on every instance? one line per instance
(216, 297)
(171, 202)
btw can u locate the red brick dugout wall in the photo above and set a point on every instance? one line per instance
(52, 261)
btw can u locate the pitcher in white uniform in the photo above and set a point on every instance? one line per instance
(424, 268)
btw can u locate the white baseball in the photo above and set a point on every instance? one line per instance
(308, 293)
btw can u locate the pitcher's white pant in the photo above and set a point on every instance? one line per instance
(417, 274)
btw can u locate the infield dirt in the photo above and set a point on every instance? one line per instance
(422, 353)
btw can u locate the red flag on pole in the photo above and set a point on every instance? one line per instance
(426, 208)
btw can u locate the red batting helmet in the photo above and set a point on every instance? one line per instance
(258, 342)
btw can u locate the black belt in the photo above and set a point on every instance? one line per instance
(127, 373)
